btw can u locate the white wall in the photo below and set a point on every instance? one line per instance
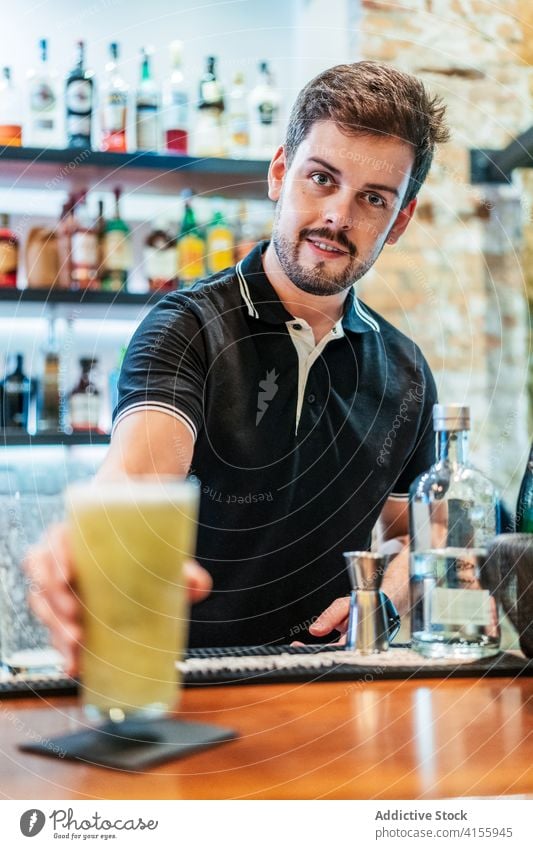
(240, 32)
(322, 37)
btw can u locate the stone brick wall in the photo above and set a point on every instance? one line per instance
(457, 280)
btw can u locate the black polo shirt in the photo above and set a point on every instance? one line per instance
(297, 447)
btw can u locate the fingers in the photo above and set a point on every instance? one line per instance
(334, 618)
(198, 581)
(65, 635)
(49, 568)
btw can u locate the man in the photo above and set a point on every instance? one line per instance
(303, 413)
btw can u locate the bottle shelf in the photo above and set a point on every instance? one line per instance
(35, 303)
(12, 438)
(86, 296)
(146, 173)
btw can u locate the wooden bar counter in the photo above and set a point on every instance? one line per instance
(422, 739)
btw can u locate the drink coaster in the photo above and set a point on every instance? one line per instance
(133, 744)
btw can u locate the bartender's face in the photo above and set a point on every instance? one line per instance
(338, 203)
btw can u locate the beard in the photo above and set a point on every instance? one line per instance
(318, 280)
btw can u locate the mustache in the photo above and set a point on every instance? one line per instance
(325, 233)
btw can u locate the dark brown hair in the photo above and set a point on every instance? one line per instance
(372, 99)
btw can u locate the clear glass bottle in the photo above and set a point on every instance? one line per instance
(452, 519)
(147, 107)
(10, 111)
(238, 121)
(79, 96)
(176, 104)
(114, 105)
(43, 121)
(209, 131)
(264, 115)
(524, 506)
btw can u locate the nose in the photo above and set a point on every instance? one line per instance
(338, 212)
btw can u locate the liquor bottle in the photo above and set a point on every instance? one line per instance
(220, 244)
(114, 105)
(41, 258)
(43, 122)
(238, 122)
(65, 227)
(116, 251)
(264, 115)
(83, 248)
(191, 250)
(49, 400)
(17, 389)
(245, 240)
(147, 108)
(160, 259)
(85, 399)
(10, 112)
(176, 104)
(452, 517)
(79, 96)
(209, 131)
(99, 229)
(524, 506)
(114, 375)
(9, 254)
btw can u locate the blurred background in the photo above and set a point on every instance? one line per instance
(459, 282)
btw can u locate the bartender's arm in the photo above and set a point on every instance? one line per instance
(144, 442)
(394, 521)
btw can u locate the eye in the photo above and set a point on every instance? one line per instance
(321, 179)
(375, 200)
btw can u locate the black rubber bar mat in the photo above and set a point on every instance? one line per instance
(287, 664)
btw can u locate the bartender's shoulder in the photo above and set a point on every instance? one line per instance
(208, 292)
(217, 287)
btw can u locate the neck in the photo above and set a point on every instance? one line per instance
(453, 447)
(321, 312)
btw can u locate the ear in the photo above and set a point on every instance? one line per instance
(402, 220)
(276, 173)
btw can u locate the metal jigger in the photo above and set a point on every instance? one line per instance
(373, 619)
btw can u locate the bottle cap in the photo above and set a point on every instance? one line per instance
(451, 417)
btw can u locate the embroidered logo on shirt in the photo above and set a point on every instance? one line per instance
(267, 390)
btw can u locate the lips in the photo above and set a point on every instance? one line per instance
(325, 248)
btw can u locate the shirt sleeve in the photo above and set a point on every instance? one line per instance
(423, 454)
(165, 366)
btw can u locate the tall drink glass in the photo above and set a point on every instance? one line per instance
(130, 540)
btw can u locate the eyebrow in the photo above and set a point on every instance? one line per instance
(376, 186)
(325, 164)
(381, 188)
